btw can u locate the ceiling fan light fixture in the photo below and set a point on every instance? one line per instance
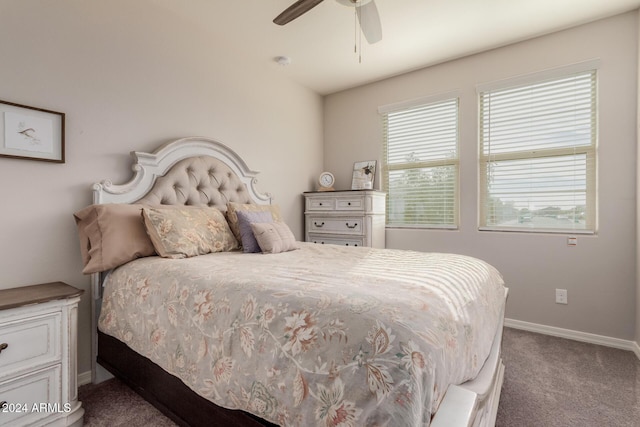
(282, 60)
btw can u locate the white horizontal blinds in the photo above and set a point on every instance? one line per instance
(538, 155)
(420, 171)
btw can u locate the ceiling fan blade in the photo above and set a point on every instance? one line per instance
(295, 10)
(370, 22)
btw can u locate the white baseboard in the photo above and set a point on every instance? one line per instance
(84, 378)
(574, 335)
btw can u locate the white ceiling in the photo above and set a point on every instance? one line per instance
(416, 33)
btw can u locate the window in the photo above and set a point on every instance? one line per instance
(420, 164)
(538, 155)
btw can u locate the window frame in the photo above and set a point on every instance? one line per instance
(455, 162)
(589, 151)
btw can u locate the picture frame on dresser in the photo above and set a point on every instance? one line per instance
(364, 174)
(31, 133)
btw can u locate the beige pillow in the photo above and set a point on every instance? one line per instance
(232, 216)
(111, 235)
(274, 237)
(188, 231)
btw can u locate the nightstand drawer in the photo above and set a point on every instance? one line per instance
(29, 343)
(342, 241)
(342, 225)
(320, 204)
(350, 204)
(22, 393)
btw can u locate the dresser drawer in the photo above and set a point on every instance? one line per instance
(30, 342)
(320, 204)
(22, 393)
(341, 225)
(342, 241)
(350, 204)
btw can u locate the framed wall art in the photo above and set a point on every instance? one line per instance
(363, 175)
(31, 133)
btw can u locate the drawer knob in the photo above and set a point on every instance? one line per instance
(3, 346)
(349, 204)
(318, 225)
(320, 203)
(355, 224)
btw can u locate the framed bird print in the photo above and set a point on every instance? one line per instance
(31, 133)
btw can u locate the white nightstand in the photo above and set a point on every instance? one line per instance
(38, 352)
(350, 218)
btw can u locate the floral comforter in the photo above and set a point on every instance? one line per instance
(325, 335)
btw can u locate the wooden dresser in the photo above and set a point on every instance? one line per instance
(38, 352)
(351, 217)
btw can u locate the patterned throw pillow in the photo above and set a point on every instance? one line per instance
(188, 231)
(245, 219)
(274, 237)
(232, 214)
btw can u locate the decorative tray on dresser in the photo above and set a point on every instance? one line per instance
(350, 217)
(38, 352)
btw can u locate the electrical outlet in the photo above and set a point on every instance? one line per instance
(561, 296)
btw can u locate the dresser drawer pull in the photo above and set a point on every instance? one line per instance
(355, 224)
(318, 225)
(3, 346)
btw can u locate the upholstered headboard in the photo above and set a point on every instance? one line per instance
(198, 181)
(190, 171)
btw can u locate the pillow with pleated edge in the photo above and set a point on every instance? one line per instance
(274, 237)
(245, 219)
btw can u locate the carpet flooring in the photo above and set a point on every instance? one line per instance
(549, 382)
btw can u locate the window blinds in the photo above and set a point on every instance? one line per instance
(420, 173)
(538, 155)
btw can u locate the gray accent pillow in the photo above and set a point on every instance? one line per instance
(245, 219)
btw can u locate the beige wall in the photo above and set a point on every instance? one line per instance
(638, 203)
(599, 273)
(130, 75)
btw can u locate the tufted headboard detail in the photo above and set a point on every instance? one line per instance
(192, 171)
(198, 181)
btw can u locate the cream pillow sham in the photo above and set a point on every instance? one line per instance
(188, 231)
(274, 237)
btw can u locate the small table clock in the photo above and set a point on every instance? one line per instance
(326, 181)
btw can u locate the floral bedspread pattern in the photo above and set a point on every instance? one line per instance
(325, 335)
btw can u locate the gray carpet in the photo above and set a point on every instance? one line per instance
(548, 382)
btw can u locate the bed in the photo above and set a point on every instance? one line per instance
(307, 335)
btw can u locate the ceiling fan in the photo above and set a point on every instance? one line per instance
(365, 9)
